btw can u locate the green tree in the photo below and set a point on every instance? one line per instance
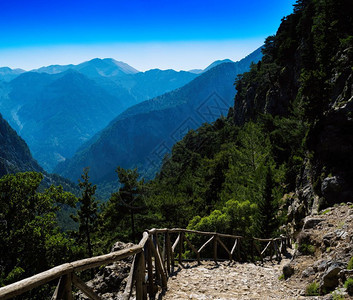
(267, 207)
(87, 215)
(129, 199)
(30, 239)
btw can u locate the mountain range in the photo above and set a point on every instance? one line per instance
(143, 134)
(57, 108)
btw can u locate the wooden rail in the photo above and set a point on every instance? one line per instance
(153, 262)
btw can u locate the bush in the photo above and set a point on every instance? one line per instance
(350, 264)
(307, 249)
(349, 286)
(312, 289)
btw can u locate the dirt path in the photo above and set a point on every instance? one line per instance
(230, 281)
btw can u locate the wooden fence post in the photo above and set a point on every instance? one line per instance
(238, 249)
(168, 249)
(181, 241)
(150, 270)
(140, 277)
(64, 288)
(215, 247)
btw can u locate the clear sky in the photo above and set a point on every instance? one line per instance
(146, 34)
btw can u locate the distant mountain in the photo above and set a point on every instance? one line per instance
(256, 56)
(57, 108)
(7, 74)
(196, 71)
(216, 63)
(106, 67)
(118, 78)
(143, 134)
(56, 113)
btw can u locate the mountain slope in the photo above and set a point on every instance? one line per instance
(14, 153)
(141, 135)
(56, 113)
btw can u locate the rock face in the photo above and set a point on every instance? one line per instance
(109, 283)
(324, 248)
(329, 280)
(311, 222)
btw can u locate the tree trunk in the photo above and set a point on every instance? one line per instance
(132, 226)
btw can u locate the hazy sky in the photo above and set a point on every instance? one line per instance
(147, 34)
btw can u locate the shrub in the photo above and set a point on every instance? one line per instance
(307, 249)
(312, 289)
(281, 277)
(350, 264)
(349, 286)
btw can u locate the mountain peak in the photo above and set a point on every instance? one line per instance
(216, 63)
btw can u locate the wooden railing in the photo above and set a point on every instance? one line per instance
(153, 261)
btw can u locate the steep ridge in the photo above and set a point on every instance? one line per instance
(14, 152)
(15, 156)
(143, 134)
(307, 73)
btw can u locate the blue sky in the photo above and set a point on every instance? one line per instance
(145, 34)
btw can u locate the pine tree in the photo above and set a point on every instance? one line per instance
(129, 198)
(87, 215)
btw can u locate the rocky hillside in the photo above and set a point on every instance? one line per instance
(323, 259)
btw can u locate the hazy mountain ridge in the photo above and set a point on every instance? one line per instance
(132, 139)
(7, 74)
(55, 113)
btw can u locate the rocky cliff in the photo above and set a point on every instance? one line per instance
(307, 74)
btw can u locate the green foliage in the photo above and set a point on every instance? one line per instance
(350, 264)
(349, 286)
(124, 206)
(306, 249)
(234, 218)
(336, 296)
(312, 289)
(87, 214)
(324, 212)
(30, 239)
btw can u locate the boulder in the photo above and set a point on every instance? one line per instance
(308, 272)
(120, 246)
(311, 222)
(330, 278)
(328, 239)
(288, 271)
(331, 189)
